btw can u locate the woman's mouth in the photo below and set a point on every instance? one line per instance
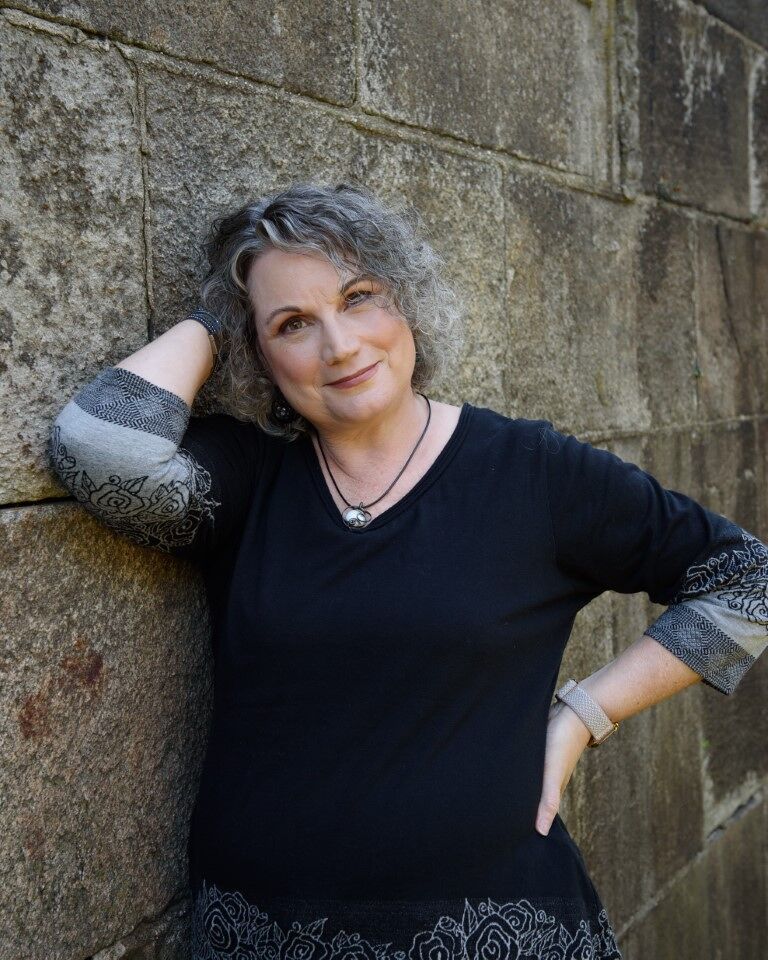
(355, 378)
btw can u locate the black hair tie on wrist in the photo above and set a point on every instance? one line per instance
(213, 325)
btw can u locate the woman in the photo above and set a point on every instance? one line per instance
(393, 581)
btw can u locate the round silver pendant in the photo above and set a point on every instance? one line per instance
(356, 517)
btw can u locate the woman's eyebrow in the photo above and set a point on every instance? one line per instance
(342, 289)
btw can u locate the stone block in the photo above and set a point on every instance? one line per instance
(693, 107)
(530, 79)
(300, 46)
(725, 464)
(572, 301)
(105, 711)
(72, 260)
(732, 347)
(717, 908)
(666, 322)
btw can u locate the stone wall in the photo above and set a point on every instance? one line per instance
(596, 174)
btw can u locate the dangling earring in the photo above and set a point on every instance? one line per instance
(282, 411)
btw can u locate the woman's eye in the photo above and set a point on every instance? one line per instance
(362, 293)
(286, 325)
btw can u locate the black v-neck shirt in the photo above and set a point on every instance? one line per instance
(431, 474)
(382, 693)
(375, 759)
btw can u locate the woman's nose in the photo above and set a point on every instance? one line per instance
(339, 340)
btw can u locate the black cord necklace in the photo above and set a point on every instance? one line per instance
(358, 516)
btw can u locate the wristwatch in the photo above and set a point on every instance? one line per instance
(213, 325)
(589, 710)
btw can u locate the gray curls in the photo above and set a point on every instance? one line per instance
(356, 232)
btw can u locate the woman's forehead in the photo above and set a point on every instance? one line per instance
(280, 279)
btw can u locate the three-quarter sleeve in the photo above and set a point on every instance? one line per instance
(615, 527)
(131, 453)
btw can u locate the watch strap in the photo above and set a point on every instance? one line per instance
(589, 711)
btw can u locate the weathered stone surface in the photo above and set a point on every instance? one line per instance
(529, 78)
(731, 321)
(725, 458)
(303, 46)
(747, 16)
(759, 145)
(693, 107)
(213, 148)
(72, 260)
(666, 324)
(572, 264)
(717, 907)
(167, 937)
(105, 704)
(592, 325)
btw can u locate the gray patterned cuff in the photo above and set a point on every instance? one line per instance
(122, 396)
(717, 622)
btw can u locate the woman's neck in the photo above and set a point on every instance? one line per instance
(367, 452)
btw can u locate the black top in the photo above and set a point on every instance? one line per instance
(375, 759)
(382, 693)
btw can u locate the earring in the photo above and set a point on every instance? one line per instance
(282, 411)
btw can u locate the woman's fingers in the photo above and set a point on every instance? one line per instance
(548, 807)
(567, 739)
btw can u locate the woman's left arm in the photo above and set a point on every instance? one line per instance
(644, 674)
(615, 527)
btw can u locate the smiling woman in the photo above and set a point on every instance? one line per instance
(342, 357)
(358, 259)
(382, 745)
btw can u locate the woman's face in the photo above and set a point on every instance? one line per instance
(312, 332)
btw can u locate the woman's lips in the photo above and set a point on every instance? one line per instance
(365, 374)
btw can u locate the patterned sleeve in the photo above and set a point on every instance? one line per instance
(615, 527)
(131, 453)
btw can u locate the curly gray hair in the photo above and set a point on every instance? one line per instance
(355, 231)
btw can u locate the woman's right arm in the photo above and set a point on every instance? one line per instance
(127, 448)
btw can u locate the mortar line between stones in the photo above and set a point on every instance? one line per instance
(599, 436)
(693, 247)
(754, 801)
(146, 212)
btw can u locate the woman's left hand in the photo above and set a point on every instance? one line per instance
(567, 738)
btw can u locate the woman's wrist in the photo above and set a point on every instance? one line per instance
(178, 360)
(561, 713)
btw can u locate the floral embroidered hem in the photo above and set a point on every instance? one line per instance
(226, 925)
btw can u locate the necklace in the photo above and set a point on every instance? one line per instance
(358, 516)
